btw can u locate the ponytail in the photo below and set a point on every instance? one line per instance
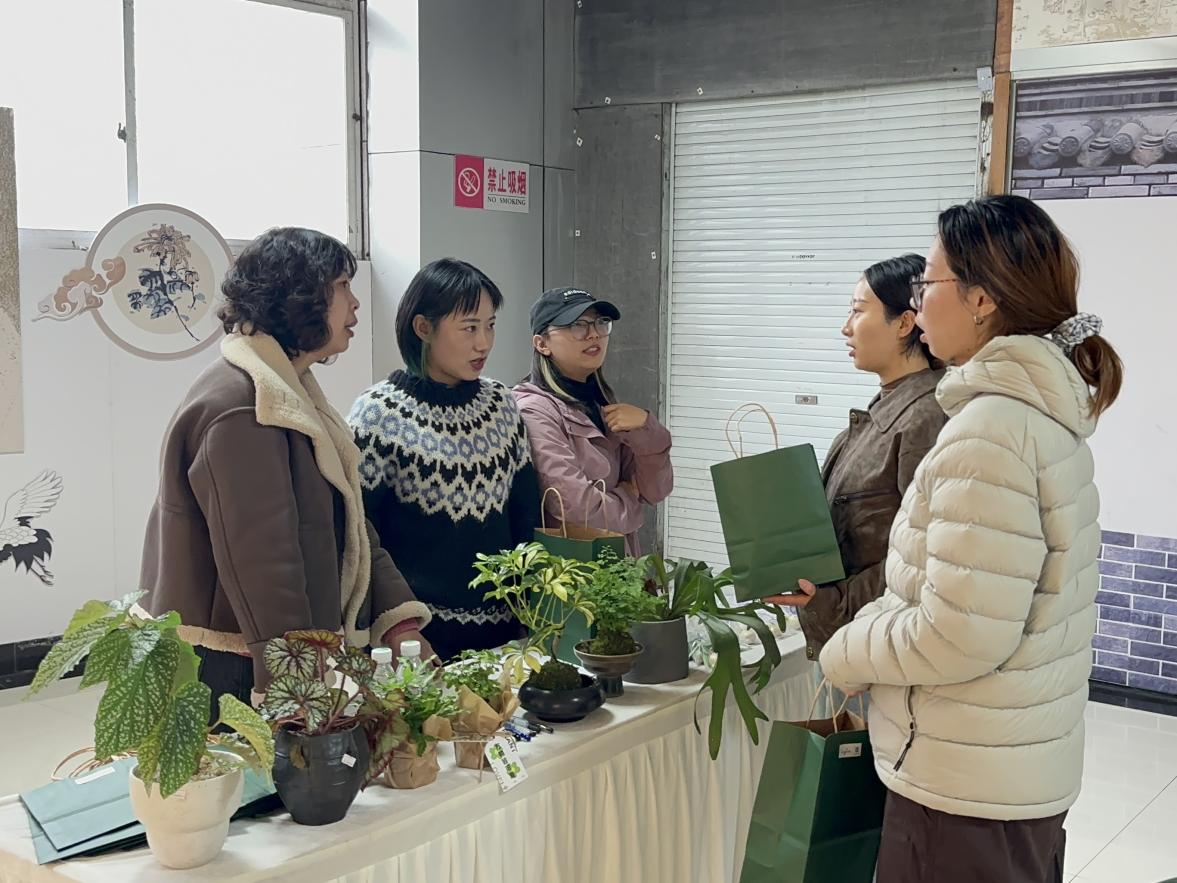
(1100, 367)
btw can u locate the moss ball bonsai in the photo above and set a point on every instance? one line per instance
(617, 592)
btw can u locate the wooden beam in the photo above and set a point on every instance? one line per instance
(1002, 90)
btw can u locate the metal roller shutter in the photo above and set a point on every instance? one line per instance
(778, 205)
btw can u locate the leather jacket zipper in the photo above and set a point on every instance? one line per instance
(861, 495)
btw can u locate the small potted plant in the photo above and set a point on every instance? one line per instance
(617, 592)
(485, 701)
(332, 730)
(663, 630)
(188, 781)
(428, 707)
(544, 591)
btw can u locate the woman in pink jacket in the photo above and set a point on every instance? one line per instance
(580, 434)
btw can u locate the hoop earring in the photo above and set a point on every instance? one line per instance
(978, 321)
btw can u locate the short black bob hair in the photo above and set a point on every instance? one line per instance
(445, 287)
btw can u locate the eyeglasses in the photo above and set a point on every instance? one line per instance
(580, 330)
(919, 286)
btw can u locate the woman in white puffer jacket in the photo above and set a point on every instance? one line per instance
(977, 655)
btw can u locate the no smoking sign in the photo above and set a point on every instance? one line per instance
(493, 184)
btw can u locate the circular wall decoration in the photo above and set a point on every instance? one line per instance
(152, 281)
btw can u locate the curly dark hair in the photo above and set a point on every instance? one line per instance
(280, 285)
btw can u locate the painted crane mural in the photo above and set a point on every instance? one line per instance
(21, 542)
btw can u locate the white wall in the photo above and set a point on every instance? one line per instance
(1129, 277)
(96, 415)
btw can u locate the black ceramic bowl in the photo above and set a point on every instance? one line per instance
(563, 706)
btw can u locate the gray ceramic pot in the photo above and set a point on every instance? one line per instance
(666, 658)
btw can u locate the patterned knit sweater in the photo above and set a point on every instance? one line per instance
(446, 473)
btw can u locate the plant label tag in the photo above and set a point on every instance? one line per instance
(852, 750)
(503, 757)
(348, 760)
(94, 776)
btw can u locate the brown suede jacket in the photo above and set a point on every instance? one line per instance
(259, 527)
(866, 473)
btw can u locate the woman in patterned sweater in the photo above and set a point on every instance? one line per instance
(446, 468)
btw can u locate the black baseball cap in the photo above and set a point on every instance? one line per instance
(563, 306)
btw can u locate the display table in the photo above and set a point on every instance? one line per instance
(628, 794)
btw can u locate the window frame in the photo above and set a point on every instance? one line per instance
(351, 14)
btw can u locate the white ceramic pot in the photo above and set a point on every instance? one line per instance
(188, 828)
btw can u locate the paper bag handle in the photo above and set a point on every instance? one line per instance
(599, 485)
(543, 511)
(825, 682)
(744, 411)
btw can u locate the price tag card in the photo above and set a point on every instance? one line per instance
(504, 760)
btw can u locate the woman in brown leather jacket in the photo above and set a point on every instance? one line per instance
(873, 461)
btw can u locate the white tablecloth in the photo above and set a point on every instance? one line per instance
(628, 794)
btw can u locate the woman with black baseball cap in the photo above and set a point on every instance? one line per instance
(580, 434)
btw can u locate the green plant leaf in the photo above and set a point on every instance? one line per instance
(237, 744)
(188, 668)
(772, 652)
(297, 659)
(174, 748)
(143, 641)
(385, 730)
(251, 726)
(91, 611)
(126, 602)
(134, 703)
(727, 674)
(690, 585)
(109, 658)
(288, 696)
(169, 620)
(69, 651)
(321, 639)
(356, 664)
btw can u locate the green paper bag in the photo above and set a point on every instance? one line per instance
(580, 543)
(775, 518)
(819, 806)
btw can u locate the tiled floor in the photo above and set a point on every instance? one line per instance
(1120, 831)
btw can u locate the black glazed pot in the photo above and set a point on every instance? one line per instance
(563, 706)
(318, 777)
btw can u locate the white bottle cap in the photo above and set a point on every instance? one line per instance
(411, 649)
(382, 655)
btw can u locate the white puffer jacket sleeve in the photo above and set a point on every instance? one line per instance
(976, 498)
